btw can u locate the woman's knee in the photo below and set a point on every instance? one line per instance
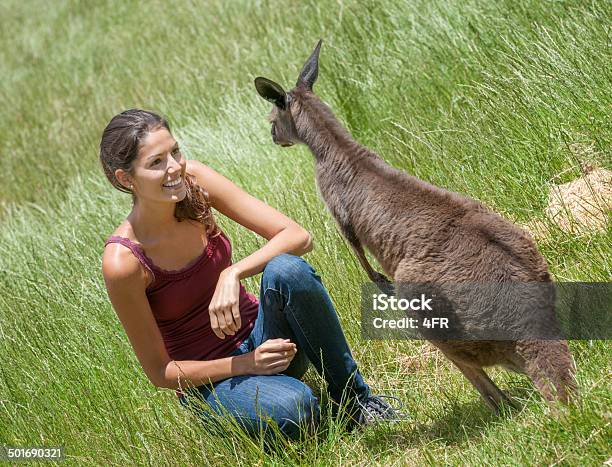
(289, 269)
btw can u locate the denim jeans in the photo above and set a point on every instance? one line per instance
(293, 305)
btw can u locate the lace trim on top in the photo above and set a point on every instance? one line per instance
(159, 273)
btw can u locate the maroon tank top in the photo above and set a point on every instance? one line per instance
(179, 301)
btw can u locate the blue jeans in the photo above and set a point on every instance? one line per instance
(293, 305)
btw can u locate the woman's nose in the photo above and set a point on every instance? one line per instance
(174, 166)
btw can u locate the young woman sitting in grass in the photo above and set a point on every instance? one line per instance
(193, 326)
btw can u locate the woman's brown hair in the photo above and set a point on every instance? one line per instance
(119, 146)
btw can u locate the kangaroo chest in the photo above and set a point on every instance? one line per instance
(358, 212)
(340, 191)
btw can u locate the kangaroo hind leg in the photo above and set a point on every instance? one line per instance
(492, 395)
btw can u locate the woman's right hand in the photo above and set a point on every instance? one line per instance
(272, 357)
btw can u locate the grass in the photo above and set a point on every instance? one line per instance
(483, 98)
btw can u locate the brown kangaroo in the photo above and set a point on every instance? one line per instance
(421, 233)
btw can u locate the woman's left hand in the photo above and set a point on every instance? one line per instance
(224, 307)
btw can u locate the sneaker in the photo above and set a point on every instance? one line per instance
(373, 409)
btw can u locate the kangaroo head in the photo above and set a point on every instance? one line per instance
(284, 132)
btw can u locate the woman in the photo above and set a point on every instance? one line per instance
(191, 323)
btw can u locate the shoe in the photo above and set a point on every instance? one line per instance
(373, 409)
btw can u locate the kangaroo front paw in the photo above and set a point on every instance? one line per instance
(382, 282)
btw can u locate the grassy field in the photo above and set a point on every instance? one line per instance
(491, 99)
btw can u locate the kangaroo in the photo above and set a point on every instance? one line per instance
(422, 233)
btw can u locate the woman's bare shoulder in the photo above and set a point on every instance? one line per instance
(118, 261)
(207, 178)
(216, 185)
(200, 171)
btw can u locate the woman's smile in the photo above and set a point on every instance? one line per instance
(174, 185)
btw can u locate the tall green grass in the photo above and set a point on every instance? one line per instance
(490, 99)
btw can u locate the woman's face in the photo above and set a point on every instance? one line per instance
(159, 170)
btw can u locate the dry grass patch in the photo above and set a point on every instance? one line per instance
(580, 207)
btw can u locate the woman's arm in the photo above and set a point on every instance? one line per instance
(270, 358)
(125, 282)
(283, 234)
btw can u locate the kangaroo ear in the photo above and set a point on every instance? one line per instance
(271, 91)
(309, 73)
